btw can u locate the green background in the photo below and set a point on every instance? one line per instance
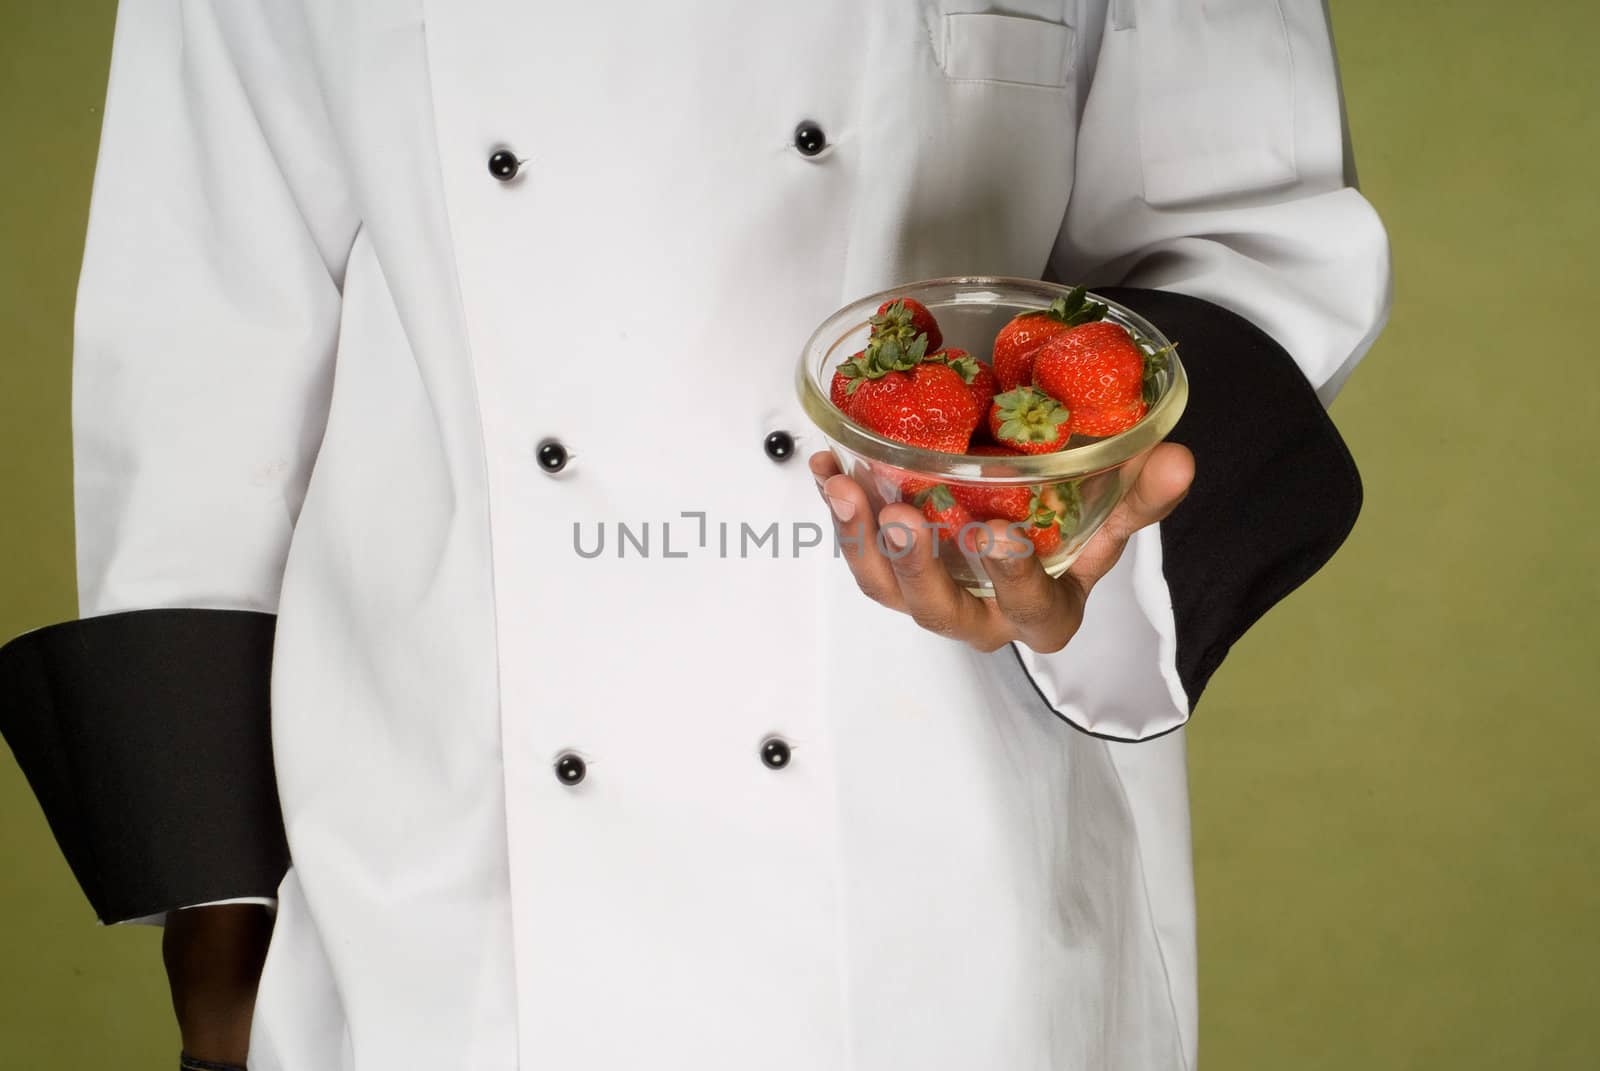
(1395, 821)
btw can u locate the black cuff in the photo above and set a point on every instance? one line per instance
(1275, 490)
(145, 736)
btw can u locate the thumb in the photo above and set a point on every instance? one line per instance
(1164, 479)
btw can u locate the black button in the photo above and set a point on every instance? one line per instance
(504, 165)
(775, 752)
(780, 446)
(809, 138)
(570, 769)
(552, 456)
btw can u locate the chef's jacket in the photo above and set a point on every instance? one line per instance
(390, 310)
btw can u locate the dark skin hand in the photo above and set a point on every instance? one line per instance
(1028, 606)
(213, 957)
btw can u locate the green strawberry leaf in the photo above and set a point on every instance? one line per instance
(1029, 416)
(1155, 363)
(1015, 431)
(892, 317)
(1040, 514)
(939, 494)
(965, 367)
(1069, 510)
(1076, 308)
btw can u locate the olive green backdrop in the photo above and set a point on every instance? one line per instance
(1397, 834)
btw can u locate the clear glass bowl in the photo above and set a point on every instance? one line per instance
(1084, 481)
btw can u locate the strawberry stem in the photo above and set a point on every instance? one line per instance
(1155, 363)
(1027, 415)
(965, 367)
(1076, 308)
(884, 354)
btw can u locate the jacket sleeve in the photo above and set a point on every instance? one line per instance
(1215, 195)
(206, 321)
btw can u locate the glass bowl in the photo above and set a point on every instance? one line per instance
(1082, 483)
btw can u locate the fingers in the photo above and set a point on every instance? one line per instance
(1168, 470)
(927, 590)
(823, 465)
(857, 533)
(896, 560)
(1040, 612)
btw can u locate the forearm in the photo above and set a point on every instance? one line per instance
(213, 957)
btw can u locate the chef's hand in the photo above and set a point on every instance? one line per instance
(1028, 606)
(214, 955)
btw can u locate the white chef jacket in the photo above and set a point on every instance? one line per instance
(319, 345)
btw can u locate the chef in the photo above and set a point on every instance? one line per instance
(381, 299)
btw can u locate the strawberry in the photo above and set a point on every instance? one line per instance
(881, 358)
(929, 406)
(1064, 502)
(984, 387)
(1008, 503)
(1109, 421)
(1056, 511)
(978, 375)
(1095, 366)
(1046, 539)
(1045, 515)
(904, 319)
(947, 514)
(1019, 340)
(1029, 421)
(1013, 502)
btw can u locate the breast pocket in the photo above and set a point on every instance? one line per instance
(987, 47)
(996, 143)
(1216, 98)
(966, 128)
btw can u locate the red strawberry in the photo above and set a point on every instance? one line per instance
(1096, 366)
(872, 401)
(1102, 422)
(1063, 502)
(1029, 421)
(882, 358)
(1060, 507)
(984, 385)
(1019, 340)
(978, 375)
(947, 514)
(991, 450)
(949, 409)
(1008, 503)
(904, 319)
(1056, 510)
(1045, 515)
(1046, 539)
(930, 406)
